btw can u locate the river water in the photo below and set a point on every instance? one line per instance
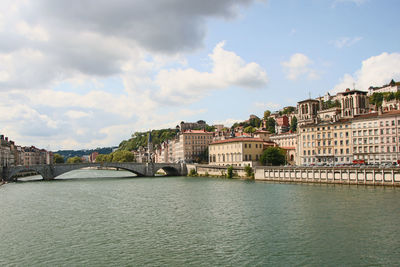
(181, 221)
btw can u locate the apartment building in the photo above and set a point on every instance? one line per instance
(376, 137)
(190, 145)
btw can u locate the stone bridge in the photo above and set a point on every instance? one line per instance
(49, 172)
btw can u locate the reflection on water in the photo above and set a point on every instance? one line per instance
(181, 221)
(84, 174)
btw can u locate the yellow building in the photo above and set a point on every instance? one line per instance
(236, 151)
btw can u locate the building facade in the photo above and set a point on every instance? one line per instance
(236, 151)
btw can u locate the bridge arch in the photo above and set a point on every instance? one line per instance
(168, 170)
(65, 168)
(14, 175)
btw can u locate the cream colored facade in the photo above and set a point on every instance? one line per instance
(376, 137)
(325, 143)
(342, 143)
(236, 152)
(190, 145)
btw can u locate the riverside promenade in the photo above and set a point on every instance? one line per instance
(330, 175)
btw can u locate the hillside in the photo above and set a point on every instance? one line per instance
(139, 139)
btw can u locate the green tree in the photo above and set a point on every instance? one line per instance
(58, 158)
(210, 128)
(288, 110)
(376, 99)
(122, 156)
(74, 160)
(255, 122)
(397, 95)
(101, 158)
(389, 96)
(267, 113)
(202, 157)
(271, 125)
(293, 124)
(249, 129)
(274, 156)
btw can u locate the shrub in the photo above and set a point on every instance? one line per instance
(249, 171)
(192, 172)
(229, 172)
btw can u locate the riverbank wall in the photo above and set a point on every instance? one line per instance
(330, 175)
(216, 171)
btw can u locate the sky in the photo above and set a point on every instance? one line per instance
(89, 73)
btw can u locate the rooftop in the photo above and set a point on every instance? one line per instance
(238, 139)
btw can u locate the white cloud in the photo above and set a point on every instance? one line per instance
(76, 114)
(346, 41)
(34, 33)
(228, 122)
(269, 105)
(299, 65)
(228, 69)
(375, 71)
(48, 44)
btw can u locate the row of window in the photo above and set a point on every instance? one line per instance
(325, 127)
(326, 151)
(360, 149)
(375, 132)
(336, 159)
(233, 157)
(198, 136)
(326, 143)
(371, 149)
(197, 142)
(375, 124)
(326, 135)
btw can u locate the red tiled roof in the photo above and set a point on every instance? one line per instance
(238, 139)
(197, 131)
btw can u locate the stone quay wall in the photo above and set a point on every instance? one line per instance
(217, 171)
(333, 175)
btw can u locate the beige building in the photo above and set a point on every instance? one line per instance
(236, 151)
(190, 145)
(325, 143)
(376, 137)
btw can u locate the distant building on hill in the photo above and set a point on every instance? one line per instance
(391, 87)
(199, 125)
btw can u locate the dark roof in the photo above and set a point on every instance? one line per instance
(308, 100)
(352, 91)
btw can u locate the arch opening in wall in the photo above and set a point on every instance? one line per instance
(97, 173)
(26, 176)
